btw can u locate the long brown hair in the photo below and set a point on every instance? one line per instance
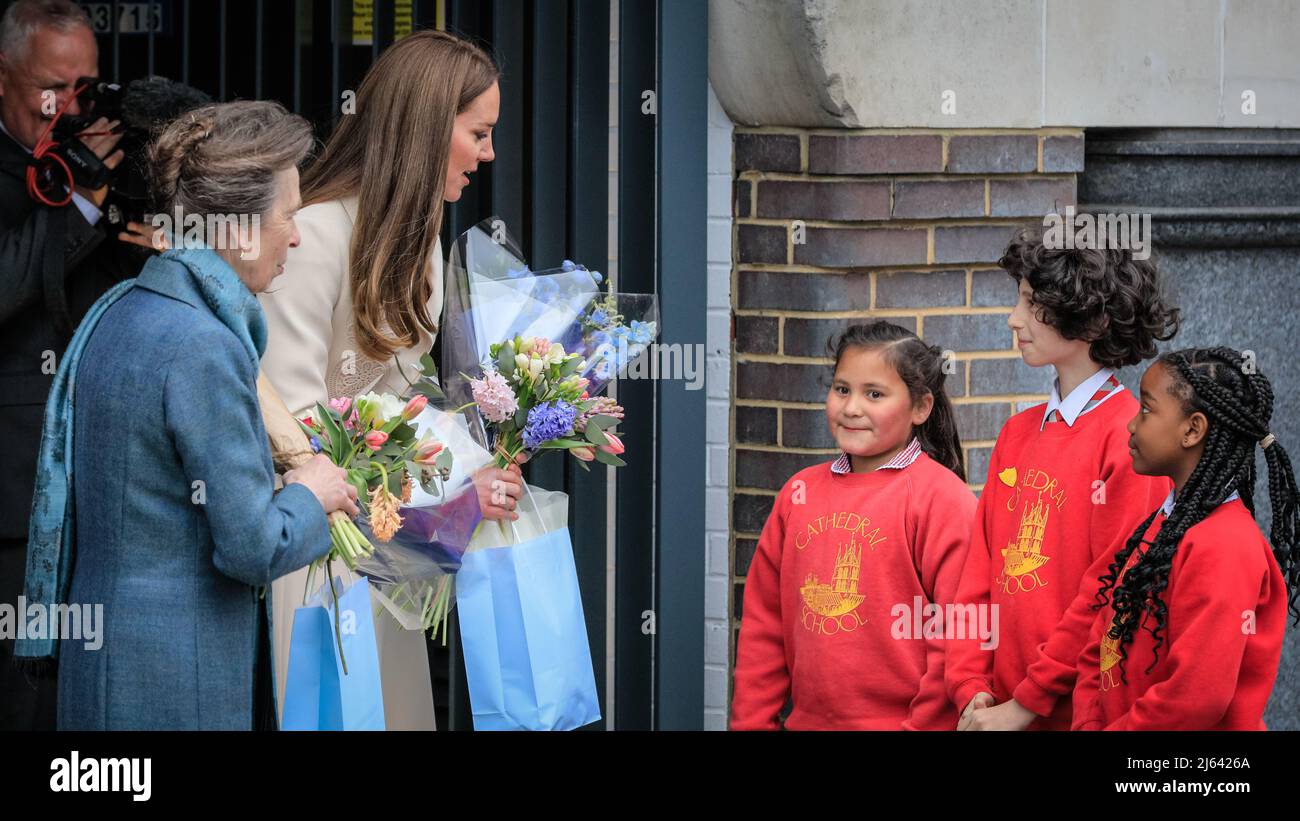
(392, 154)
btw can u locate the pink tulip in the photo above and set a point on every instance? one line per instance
(341, 405)
(428, 452)
(414, 407)
(376, 439)
(615, 446)
(585, 454)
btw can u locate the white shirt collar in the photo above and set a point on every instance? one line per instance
(1073, 405)
(843, 465)
(1167, 507)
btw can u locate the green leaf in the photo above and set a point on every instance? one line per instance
(356, 480)
(582, 464)
(443, 460)
(569, 366)
(506, 359)
(338, 439)
(609, 459)
(430, 390)
(603, 421)
(595, 435)
(565, 444)
(521, 418)
(427, 367)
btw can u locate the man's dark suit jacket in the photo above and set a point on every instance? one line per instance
(53, 266)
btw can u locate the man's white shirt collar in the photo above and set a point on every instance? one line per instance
(1072, 406)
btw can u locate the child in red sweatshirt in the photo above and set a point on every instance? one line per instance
(843, 601)
(1061, 494)
(1193, 607)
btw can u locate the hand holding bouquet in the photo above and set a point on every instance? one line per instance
(372, 438)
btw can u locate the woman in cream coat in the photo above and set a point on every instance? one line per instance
(360, 297)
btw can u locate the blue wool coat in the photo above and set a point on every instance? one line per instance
(177, 524)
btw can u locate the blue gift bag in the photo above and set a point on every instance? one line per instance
(525, 640)
(317, 693)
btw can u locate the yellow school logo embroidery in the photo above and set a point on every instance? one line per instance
(1023, 557)
(1109, 658)
(828, 608)
(1008, 477)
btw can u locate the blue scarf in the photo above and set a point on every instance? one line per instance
(51, 543)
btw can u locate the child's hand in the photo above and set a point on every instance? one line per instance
(979, 702)
(1008, 715)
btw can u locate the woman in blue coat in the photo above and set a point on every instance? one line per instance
(177, 529)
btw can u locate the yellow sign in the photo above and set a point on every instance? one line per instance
(363, 20)
(404, 20)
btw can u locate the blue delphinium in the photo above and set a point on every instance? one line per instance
(599, 317)
(547, 421)
(642, 332)
(568, 265)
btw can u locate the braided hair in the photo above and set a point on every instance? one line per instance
(1238, 405)
(921, 367)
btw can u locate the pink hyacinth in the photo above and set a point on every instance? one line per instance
(496, 401)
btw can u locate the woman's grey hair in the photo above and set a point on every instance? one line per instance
(24, 17)
(222, 158)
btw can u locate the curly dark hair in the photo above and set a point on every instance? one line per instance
(920, 366)
(1238, 406)
(1100, 295)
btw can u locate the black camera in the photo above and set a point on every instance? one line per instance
(143, 107)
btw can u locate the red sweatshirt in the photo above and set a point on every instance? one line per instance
(839, 584)
(1057, 505)
(1222, 639)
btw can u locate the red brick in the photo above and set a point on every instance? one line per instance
(860, 248)
(937, 199)
(849, 201)
(1030, 198)
(872, 154)
(994, 154)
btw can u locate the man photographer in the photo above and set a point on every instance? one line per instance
(54, 264)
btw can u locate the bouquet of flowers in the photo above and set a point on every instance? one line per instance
(493, 298)
(411, 572)
(419, 514)
(534, 399)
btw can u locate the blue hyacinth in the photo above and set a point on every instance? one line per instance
(550, 420)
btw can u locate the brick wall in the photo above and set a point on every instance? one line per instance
(903, 225)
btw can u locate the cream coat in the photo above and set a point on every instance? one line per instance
(312, 356)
